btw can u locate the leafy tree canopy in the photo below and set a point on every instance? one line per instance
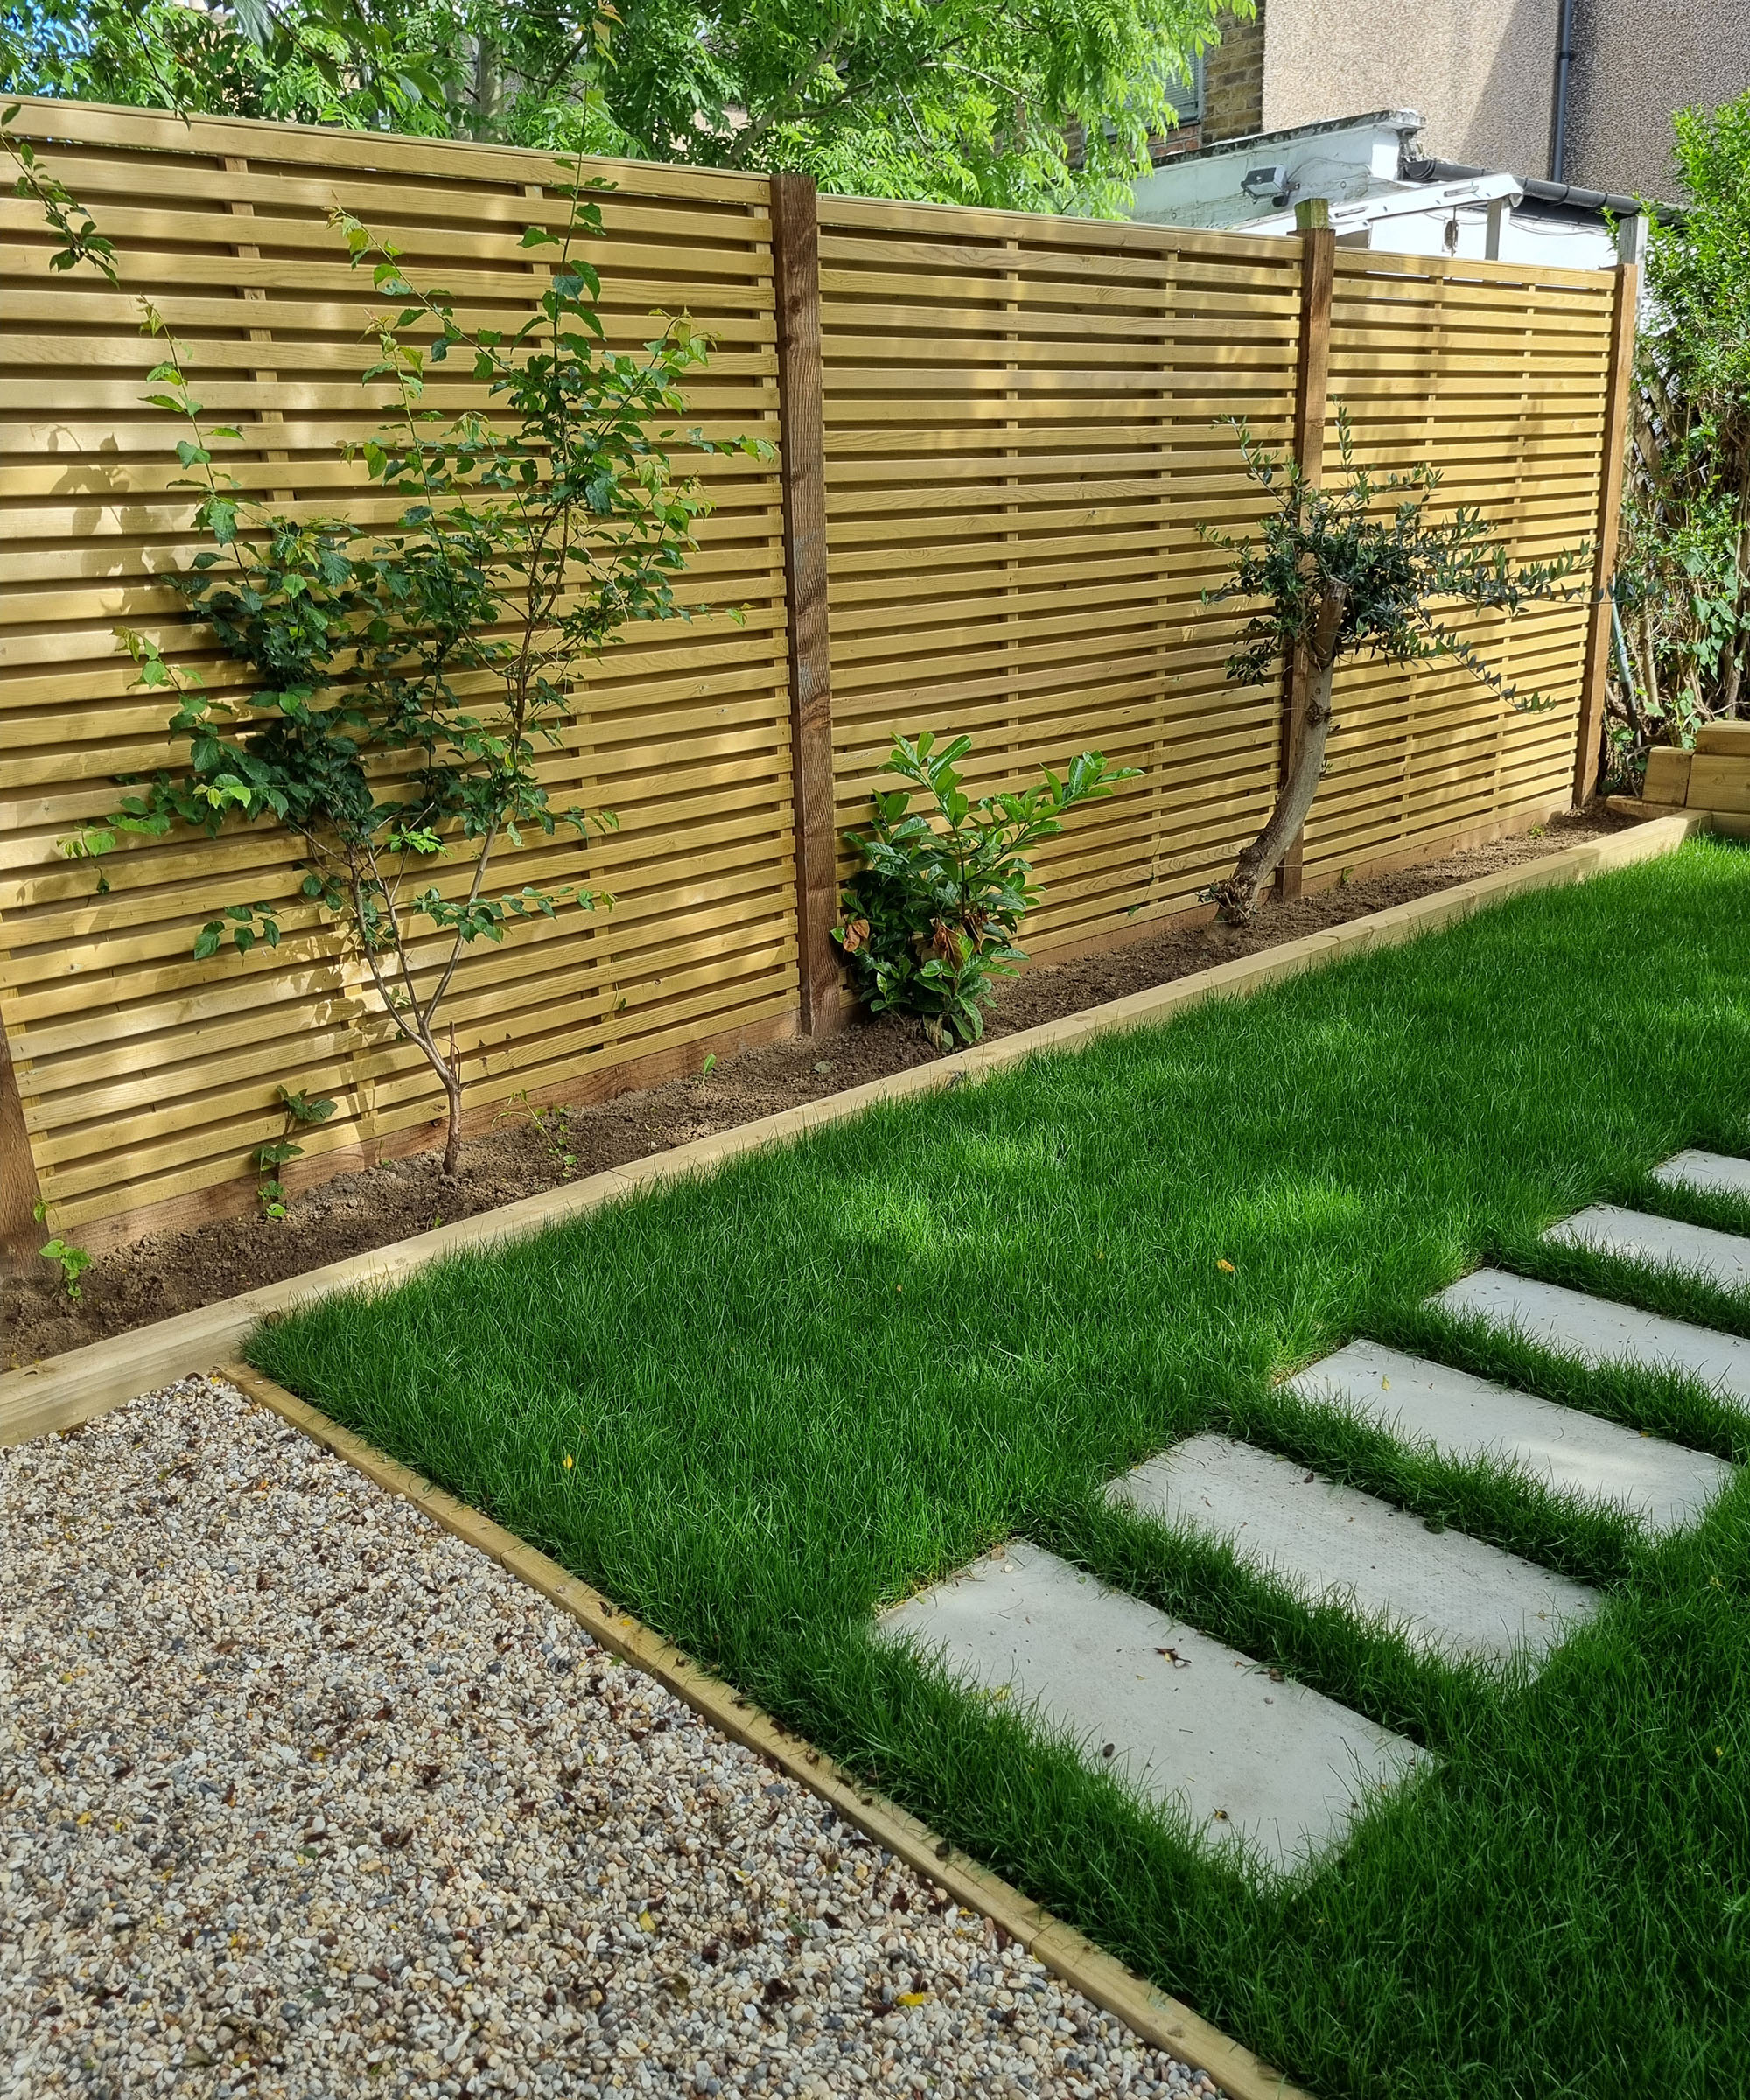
(961, 101)
(1699, 264)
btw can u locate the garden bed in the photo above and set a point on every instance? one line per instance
(157, 1276)
(755, 1409)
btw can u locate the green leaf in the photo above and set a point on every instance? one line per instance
(304, 1109)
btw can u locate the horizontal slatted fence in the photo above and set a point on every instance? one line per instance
(1019, 442)
(1499, 377)
(145, 1074)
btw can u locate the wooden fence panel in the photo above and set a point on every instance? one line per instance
(147, 1076)
(1499, 376)
(1021, 440)
(1008, 427)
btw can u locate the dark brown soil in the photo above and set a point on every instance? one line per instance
(165, 1274)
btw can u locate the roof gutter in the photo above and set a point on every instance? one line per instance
(1536, 188)
(1369, 210)
(1564, 67)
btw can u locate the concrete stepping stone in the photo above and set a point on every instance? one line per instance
(1176, 1716)
(1722, 1258)
(1333, 1545)
(1713, 1174)
(1468, 1418)
(1597, 1330)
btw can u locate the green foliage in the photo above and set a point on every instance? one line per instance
(300, 1109)
(929, 920)
(406, 678)
(555, 1125)
(75, 1261)
(316, 61)
(1372, 538)
(1699, 264)
(1683, 582)
(965, 100)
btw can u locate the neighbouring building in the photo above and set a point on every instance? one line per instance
(1574, 91)
(1385, 191)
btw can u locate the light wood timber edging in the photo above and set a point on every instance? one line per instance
(71, 1388)
(1730, 823)
(1157, 2019)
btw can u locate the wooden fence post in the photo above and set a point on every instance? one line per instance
(21, 1232)
(1617, 398)
(796, 247)
(1318, 272)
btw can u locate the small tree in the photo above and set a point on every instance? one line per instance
(1346, 571)
(406, 680)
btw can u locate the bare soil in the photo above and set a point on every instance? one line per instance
(155, 1278)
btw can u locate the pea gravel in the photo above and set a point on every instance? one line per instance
(300, 1795)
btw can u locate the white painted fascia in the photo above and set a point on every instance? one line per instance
(1337, 160)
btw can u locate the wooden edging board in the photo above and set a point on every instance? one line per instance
(1730, 823)
(61, 1390)
(1151, 2013)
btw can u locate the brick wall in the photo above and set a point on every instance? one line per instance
(1232, 80)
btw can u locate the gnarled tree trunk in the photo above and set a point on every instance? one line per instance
(1236, 898)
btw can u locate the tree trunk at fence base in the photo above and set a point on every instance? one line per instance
(1237, 899)
(450, 1071)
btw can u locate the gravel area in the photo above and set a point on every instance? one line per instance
(300, 1795)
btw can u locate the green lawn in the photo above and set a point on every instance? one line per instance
(823, 1377)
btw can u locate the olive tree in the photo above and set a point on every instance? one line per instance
(1359, 567)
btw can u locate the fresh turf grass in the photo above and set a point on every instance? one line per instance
(826, 1376)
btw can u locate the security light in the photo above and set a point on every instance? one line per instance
(1265, 182)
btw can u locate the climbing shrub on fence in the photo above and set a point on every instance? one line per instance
(407, 679)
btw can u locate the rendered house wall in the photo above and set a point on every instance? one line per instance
(1634, 64)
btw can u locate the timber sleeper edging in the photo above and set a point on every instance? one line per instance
(1151, 2013)
(62, 1391)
